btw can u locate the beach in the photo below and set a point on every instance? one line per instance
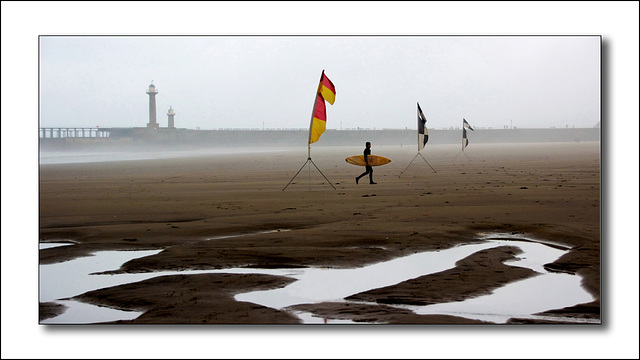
(222, 210)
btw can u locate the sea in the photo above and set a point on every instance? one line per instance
(69, 157)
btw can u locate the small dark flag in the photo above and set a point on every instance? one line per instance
(423, 134)
(465, 141)
(466, 125)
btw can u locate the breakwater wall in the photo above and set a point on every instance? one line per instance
(122, 138)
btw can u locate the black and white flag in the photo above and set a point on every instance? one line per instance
(466, 125)
(423, 134)
(465, 141)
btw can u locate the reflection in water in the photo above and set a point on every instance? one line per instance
(314, 285)
(70, 278)
(42, 246)
(520, 299)
(543, 292)
(83, 313)
(322, 285)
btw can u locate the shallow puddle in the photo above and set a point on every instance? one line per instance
(314, 285)
(324, 284)
(50, 245)
(519, 299)
(70, 278)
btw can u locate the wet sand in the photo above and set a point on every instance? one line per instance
(547, 191)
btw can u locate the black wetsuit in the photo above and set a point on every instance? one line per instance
(369, 169)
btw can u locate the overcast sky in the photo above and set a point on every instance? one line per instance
(270, 81)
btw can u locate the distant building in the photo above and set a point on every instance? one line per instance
(153, 124)
(171, 114)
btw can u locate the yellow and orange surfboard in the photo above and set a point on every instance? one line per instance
(374, 160)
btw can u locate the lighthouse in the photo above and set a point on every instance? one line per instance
(153, 124)
(171, 114)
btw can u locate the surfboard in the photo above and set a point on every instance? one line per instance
(374, 160)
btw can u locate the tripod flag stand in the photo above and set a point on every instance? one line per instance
(465, 141)
(326, 91)
(423, 137)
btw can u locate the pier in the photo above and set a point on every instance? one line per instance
(73, 132)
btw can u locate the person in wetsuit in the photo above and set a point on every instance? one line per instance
(368, 168)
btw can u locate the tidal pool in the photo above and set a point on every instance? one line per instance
(61, 281)
(48, 245)
(520, 299)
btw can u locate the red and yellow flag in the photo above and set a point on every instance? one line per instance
(319, 121)
(327, 89)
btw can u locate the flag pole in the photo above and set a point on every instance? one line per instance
(419, 144)
(464, 136)
(315, 103)
(464, 142)
(417, 132)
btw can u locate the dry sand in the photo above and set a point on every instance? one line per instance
(547, 191)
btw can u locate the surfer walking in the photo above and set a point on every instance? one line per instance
(368, 168)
